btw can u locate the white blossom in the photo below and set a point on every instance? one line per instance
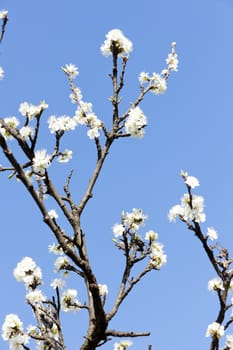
(11, 327)
(229, 342)
(157, 258)
(65, 156)
(135, 219)
(26, 271)
(41, 161)
(60, 124)
(30, 110)
(215, 284)
(151, 236)
(3, 14)
(12, 122)
(52, 214)
(69, 301)
(122, 45)
(103, 290)
(159, 84)
(215, 329)
(192, 181)
(26, 131)
(71, 70)
(175, 212)
(212, 233)
(35, 297)
(172, 59)
(57, 283)
(118, 230)
(61, 263)
(144, 78)
(55, 249)
(188, 211)
(136, 122)
(123, 345)
(18, 341)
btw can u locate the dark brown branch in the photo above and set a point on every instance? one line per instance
(113, 333)
(4, 23)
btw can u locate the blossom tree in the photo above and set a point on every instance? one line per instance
(143, 253)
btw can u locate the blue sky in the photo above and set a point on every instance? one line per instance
(190, 128)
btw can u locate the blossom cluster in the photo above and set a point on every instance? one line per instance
(116, 43)
(27, 110)
(136, 122)
(191, 207)
(215, 329)
(128, 229)
(158, 82)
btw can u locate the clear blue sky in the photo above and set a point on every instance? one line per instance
(190, 128)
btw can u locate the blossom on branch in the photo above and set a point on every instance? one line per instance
(41, 161)
(192, 181)
(26, 271)
(12, 122)
(69, 301)
(12, 330)
(65, 156)
(189, 209)
(116, 43)
(3, 14)
(30, 110)
(62, 123)
(215, 284)
(229, 342)
(136, 122)
(71, 70)
(215, 329)
(172, 59)
(158, 257)
(212, 233)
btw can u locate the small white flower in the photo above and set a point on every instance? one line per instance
(192, 181)
(151, 236)
(18, 341)
(159, 84)
(41, 161)
(65, 156)
(71, 70)
(57, 283)
(61, 263)
(69, 301)
(35, 297)
(118, 230)
(229, 342)
(11, 327)
(3, 14)
(26, 131)
(52, 214)
(136, 122)
(143, 78)
(55, 249)
(123, 345)
(115, 39)
(215, 284)
(212, 233)
(157, 258)
(215, 329)
(103, 290)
